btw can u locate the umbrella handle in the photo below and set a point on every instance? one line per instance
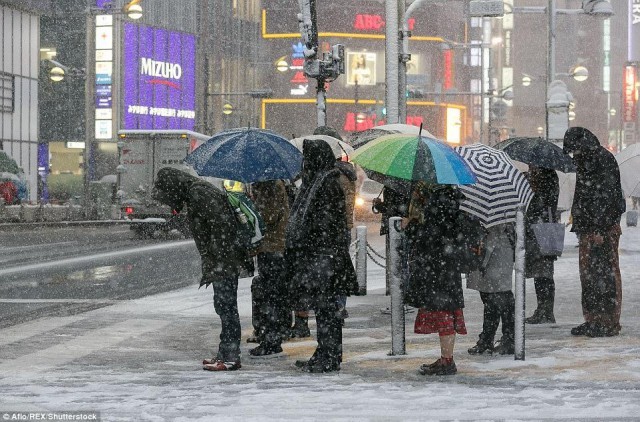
(343, 150)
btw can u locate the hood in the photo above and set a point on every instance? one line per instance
(347, 169)
(317, 157)
(171, 187)
(327, 130)
(579, 139)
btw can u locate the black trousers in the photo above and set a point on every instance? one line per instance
(269, 299)
(545, 293)
(498, 306)
(329, 332)
(225, 303)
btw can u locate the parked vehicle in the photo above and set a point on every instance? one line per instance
(142, 153)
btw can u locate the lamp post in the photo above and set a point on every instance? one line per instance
(133, 10)
(597, 8)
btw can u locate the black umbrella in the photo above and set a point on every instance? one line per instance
(537, 152)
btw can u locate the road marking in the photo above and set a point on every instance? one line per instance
(95, 340)
(20, 332)
(107, 301)
(89, 258)
(42, 245)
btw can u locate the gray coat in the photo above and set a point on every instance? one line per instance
(498, 263)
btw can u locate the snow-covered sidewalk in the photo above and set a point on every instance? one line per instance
(140, 360)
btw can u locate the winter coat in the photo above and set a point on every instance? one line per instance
(434, 282)
(497, 275)
(211, 219)
(544, 183)
(271, 201)
(598, 202)
(316, 248)
(347, 181)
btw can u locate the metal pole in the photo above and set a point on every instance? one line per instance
(90, 124)
(520, 286)
(391, 60)
(321, 103)
(551, 57)
(403, 58)
(397, 299)
(361, 259)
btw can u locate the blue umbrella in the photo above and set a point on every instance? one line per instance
(247, 155)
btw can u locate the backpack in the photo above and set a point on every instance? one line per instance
(251, 225)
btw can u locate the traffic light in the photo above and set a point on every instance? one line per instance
(558, 109)
(415, 93)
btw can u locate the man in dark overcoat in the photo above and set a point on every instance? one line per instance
(598, 205)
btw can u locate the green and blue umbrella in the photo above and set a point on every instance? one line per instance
(397, 158)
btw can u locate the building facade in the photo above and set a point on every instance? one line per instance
(19, 68)
(355, 101)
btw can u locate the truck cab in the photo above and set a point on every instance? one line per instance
(141, 154)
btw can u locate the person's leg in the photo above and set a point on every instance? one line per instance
(491, 317)
(615, 264)
(328, 354)
(545, 294)
(301, 324)
(257, 303)
(587, 296)
(270, 265)
(447, 343)
(507, 306)
(225, 303)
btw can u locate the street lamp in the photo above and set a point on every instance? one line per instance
(133, 9)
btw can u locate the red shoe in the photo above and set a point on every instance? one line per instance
(220, 365)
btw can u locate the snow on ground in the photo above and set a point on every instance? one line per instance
(139, 360)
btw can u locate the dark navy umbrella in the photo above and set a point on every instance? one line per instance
(247, 155)
(537, 152)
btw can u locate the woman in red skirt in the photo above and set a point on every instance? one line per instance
(435, 285)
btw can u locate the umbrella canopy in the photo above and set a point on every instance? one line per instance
(537, 152)
(359, 139)
(501, 187)
(399, 157)
(247, 155)
(629, 163)
(5, 175)
(340, 148)
(8, 164)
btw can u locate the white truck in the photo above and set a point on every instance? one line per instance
(142, 153)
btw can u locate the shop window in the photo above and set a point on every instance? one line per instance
(7, 92)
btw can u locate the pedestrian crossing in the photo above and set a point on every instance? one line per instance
(60, 354)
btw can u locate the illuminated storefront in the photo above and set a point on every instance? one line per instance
(356, 100)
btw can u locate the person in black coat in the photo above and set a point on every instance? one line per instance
(542, 209)
(435, 283)
(598, 205)
(316, 252)
(214, 228)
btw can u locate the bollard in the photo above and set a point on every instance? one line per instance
(361, 259)
(396, 289)
(520, 285)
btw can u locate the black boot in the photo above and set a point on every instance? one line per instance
(541, 316)
(505, 346)
(301, 327)
(481, 347)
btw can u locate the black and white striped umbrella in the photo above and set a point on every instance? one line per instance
(500, 189)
